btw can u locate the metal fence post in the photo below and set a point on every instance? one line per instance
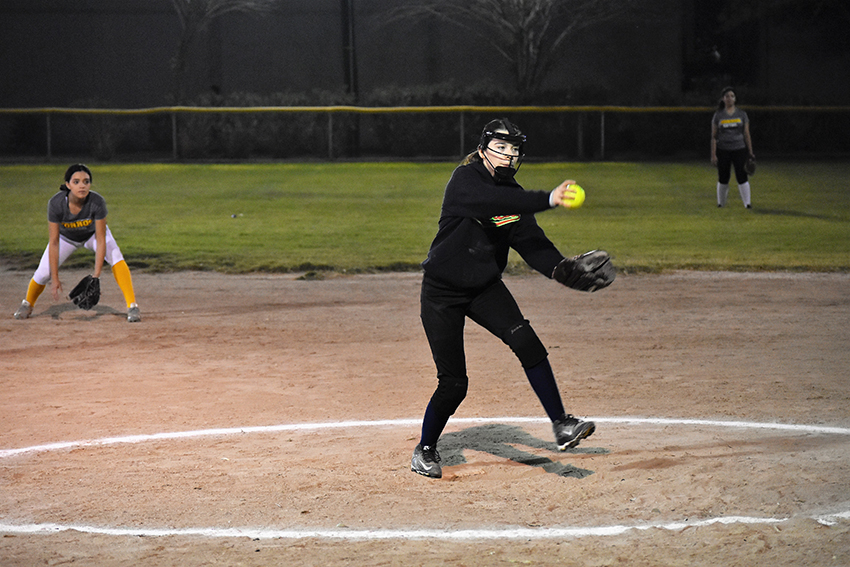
(462, 133)
(49, 137)
(174, 135)
(580, 135)
(602, 135)
(330, 135)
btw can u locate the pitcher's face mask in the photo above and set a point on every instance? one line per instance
(502, 141)
(503, 157)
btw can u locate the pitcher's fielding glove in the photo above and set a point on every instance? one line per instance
(587, 272)
(86, 294)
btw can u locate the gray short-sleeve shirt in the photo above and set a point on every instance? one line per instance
(730, 129)
(80, 227)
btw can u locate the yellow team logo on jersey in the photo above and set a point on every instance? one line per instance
(730, 122)
(504, 219)
(77, 224)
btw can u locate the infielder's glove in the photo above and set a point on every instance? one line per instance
(86, 294)
(587, 272)
(750, 165)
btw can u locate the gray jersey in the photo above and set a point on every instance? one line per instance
(80, 227)
(730, 129)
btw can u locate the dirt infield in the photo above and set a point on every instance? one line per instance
(667, 365)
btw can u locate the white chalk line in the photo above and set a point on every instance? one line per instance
(129, 439)
(394, 534)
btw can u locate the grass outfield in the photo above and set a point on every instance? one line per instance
(240, 218)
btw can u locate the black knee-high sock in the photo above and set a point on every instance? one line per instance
(543, 383)
(444, 402)
(432, 425)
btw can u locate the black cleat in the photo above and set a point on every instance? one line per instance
(426, 461)
(570, 430)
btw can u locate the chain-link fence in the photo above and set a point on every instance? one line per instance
(403, 133)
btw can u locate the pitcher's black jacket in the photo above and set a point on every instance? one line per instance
(481, 219)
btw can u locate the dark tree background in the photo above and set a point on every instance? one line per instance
(141, 53)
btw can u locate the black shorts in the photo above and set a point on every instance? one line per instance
(725, 160)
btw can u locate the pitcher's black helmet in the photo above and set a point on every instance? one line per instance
(504, 129)
(510, 133)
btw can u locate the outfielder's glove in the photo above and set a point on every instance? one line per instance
(587, 272)
(86, 294)
(750, 165)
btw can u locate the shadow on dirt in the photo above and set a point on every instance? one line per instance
(56, 312)
(500, 440)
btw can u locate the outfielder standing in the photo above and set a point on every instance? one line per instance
(77, 218)
(731, 144)
(486, 212)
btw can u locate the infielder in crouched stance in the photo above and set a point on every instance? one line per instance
(77, 218)
(486, 212)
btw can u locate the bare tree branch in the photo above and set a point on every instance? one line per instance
(526, 33)
(195, 16)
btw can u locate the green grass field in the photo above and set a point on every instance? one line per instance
(382, 216)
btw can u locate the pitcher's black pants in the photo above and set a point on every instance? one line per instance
(444, 311)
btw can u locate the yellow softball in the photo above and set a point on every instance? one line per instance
(577, 200)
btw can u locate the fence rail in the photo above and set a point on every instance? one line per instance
(178, 115)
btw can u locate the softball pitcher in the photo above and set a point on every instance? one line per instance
(486, 212)
(77, 218)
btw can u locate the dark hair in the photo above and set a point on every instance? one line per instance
(721, 104)
(74, 169)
